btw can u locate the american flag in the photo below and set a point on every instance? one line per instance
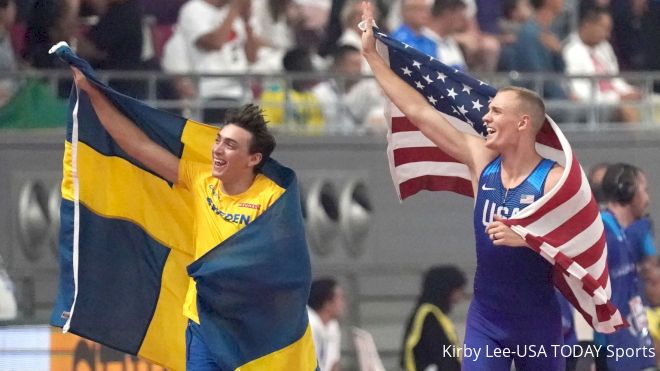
(563, 226)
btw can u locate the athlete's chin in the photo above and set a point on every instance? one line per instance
(490, 144)
(217, 173)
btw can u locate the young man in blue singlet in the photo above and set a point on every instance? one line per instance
(627, 199)
(514, 313)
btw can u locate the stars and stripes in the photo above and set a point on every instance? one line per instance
(563, 226)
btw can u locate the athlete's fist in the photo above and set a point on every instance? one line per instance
(502, 235)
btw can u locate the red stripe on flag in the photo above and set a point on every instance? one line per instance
(435, 183)
(417, 154)
(562, 285)
(590, 256)
(573, 225)
(563, 261)
(548, 136)
(402, 124)
(602, 280)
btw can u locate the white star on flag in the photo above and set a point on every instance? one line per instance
(419, 85)
(476, 105)
(406, 71)
(467, 89)
(432, 100)
(428, 79)
(462, 109)
(451, 93)
(417, 64)
(441, 76)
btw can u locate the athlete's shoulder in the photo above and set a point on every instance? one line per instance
(553, 177)
(265, 186)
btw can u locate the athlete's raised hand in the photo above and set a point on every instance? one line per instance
(368, 39)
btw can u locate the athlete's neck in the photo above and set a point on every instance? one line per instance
(238, 186)
(517, 167)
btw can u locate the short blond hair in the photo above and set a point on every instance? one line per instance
(531, 104)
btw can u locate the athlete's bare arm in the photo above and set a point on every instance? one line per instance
(127, 135)
(465, 148)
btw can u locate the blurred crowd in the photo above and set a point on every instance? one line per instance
(304, 37)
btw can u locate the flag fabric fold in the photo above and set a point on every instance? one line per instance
(126, 250)
(563, 226)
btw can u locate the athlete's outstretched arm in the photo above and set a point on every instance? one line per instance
(127, 135)
(433, 125)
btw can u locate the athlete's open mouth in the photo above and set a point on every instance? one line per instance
(490, 130)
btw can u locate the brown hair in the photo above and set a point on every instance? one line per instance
(251, 118)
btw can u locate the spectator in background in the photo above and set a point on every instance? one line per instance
(294, 106)
(481, 49)
(314, 15)
(653, 37)
(429, 329)
(537, 49)
(350, 17)
(8, 306)
(632, 33)
(514, 14)
(489, 12)
(652, 285)
(349, 103)
(326, 307)
(447, 18)
(118, 35)
(274, 23)
(218, 39)
(117, 42)
(415, 15)
(49, 22)
(595, 177)
(626, 190)
(588, 52)
(166, 12)
(639, 233)
(351, 35)
(175, 61)
(8, 61)
(336, 24)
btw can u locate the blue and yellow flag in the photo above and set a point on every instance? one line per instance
(126, 250)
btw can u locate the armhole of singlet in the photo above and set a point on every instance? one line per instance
(546, 166)
(493, 163)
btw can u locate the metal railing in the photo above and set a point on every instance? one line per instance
(156, 89)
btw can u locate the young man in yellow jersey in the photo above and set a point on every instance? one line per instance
(227, 196)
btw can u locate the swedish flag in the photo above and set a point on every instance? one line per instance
(126, 251)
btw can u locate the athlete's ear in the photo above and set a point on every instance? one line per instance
(255, 159)
(525, 122)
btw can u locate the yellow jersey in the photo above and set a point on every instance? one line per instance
(303, 111)
(217, 215)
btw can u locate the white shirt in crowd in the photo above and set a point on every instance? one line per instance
(197, 18)
(327, 340)
(448, 50)
(8, 310)
(581, 59)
